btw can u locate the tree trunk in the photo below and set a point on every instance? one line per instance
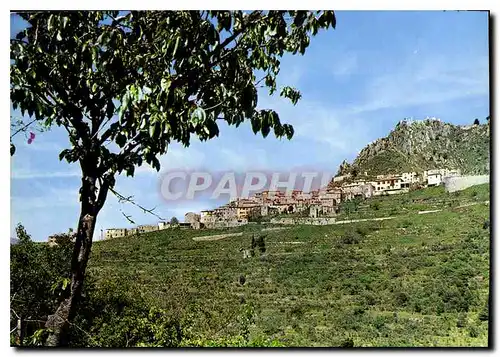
(59, 322)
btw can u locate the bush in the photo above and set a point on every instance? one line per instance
(473, 331)
(347, 343)
(401, 298)
(39, 276)
(261, 244)
(242, 280)
(484, 314)
(405, 224)
(375, 206)
(462, 320)
(351, 237)
(110, 314)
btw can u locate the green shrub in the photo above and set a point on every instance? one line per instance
(362, 231)
(405, 223)
(261, 243)
(462, 320)
(347, 343)
(242, 280)
(351, 237)
(473, 331)
(401, 298)
(484, 314)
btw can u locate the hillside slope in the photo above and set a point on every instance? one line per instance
(415, 280)
(423, 145)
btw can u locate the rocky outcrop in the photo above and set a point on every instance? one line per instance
(422, 145)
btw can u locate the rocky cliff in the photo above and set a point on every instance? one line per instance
(423, 145)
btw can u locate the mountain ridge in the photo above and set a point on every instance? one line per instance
(422, 145)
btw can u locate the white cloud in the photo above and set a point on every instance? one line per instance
(27, 174)
(242, 158)
(317, 122)
(423, 81)
(48, 198)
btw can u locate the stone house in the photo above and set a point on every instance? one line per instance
(360, 189)
(132, 231)
(191, 217)
(409, 177)
(163, 225)
(147, 228)
(387, 185)
(434, 177)
(115, 233)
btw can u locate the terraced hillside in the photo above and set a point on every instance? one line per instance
(414, 280)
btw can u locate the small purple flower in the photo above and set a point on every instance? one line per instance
(32, 137)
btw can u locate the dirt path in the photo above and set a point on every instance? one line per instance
(274, 229)
(364, 220)
(217, 237)
(473, 204)
(431, 211)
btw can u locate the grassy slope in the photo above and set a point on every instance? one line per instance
(403, 284)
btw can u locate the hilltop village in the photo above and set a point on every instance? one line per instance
(319, 204)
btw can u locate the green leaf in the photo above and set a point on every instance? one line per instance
(59, 37)
(63, 154)
(165, 84)
(265, 128)
(50, 23)
(65, 283)
(177, 41)
(124, 105)
(200, 115)
(255, 124)
(152, 130)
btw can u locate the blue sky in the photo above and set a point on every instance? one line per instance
(356, 82)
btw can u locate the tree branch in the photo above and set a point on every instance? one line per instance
(22, 128)
(129, 199)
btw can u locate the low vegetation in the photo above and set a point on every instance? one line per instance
(415, 280)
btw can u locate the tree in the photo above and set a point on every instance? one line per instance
(261, 243)
(38, 275)
(253, 245)
(174, 221)
(476, 121)
(125, 85)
